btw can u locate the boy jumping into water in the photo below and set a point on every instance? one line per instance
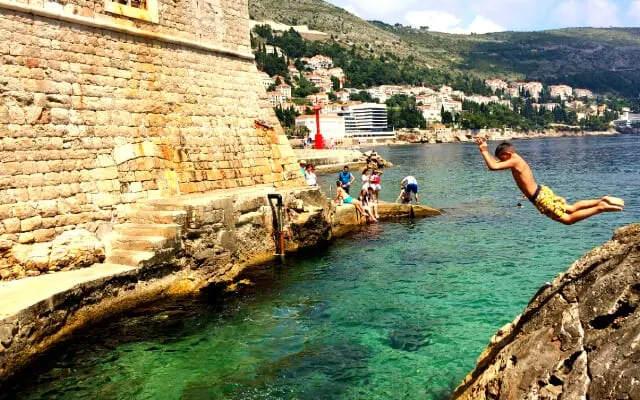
(542, 197)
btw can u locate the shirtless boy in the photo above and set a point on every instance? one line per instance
(542, 197)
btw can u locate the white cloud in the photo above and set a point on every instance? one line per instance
(440, 21)
(602, 13)
(481, 24)
(594, 13)
(351, 9)
(568, 13)
(634, 11)
(379, 7)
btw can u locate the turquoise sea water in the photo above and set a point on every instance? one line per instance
(397, 311)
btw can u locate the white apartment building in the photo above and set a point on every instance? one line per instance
(562, 91)
(367, 121)
(318, 61)
(276, 99)
(321, 98)
(533, 88)
(379, 94)
(432, 114)
(343, 96)
(284, 90)
(267, 81)
(546, 106)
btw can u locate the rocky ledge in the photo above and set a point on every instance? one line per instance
(578, 338)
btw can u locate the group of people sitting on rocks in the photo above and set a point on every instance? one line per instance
(367, 201)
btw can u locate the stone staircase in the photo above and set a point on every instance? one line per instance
(146, 233)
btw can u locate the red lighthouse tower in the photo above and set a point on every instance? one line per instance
(317, 106)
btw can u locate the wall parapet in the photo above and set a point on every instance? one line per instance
(56, 11)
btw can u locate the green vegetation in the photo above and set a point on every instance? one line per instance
(402, 113)
(525, 117)
(606, 61)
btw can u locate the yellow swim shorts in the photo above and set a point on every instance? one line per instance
(549, 204)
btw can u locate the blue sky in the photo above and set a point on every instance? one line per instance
(481, 16)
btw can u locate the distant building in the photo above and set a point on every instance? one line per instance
(293, 71)
(496, 84)
(583, 93)
(331, 126)
(533, 88)
(284, 90)
(367, 121)
(512, 92)
(318, 61)
(276, 99)
(561, 91)
(546, 106)
(343, 96)
(332, 109)
(267, 81)
(446, 89)
(274, 50)
(432, 114)
(377, 93)
(300, 108)
(629, 123)
(321, 98)
(317, 79)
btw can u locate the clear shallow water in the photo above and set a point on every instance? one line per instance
(398, 311)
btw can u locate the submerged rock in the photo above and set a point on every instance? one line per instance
(577, 339)
(410, 337)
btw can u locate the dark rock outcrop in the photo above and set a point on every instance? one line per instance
(579, 338)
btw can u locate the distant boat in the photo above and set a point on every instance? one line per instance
(629, 124)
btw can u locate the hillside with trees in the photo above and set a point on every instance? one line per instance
(603, 60)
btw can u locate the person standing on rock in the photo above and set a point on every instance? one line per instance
(366, 178)
(411, 187)
(554, 207)
(310, 175)
(346, 178)
(303, 168)
(376, 180)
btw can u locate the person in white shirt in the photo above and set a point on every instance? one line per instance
(310, 176)
(366, 178)
(411, 187)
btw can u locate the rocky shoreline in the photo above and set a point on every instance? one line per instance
(577, 338)
(417, 136)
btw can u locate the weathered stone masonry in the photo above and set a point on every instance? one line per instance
(92, 119)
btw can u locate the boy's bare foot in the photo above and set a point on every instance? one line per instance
(606, 207)
(614, 201)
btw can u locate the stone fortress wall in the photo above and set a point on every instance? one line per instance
(99, 111)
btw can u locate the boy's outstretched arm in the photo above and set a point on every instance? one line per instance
(491, 162)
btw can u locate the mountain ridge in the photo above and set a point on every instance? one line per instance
(606, 60)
